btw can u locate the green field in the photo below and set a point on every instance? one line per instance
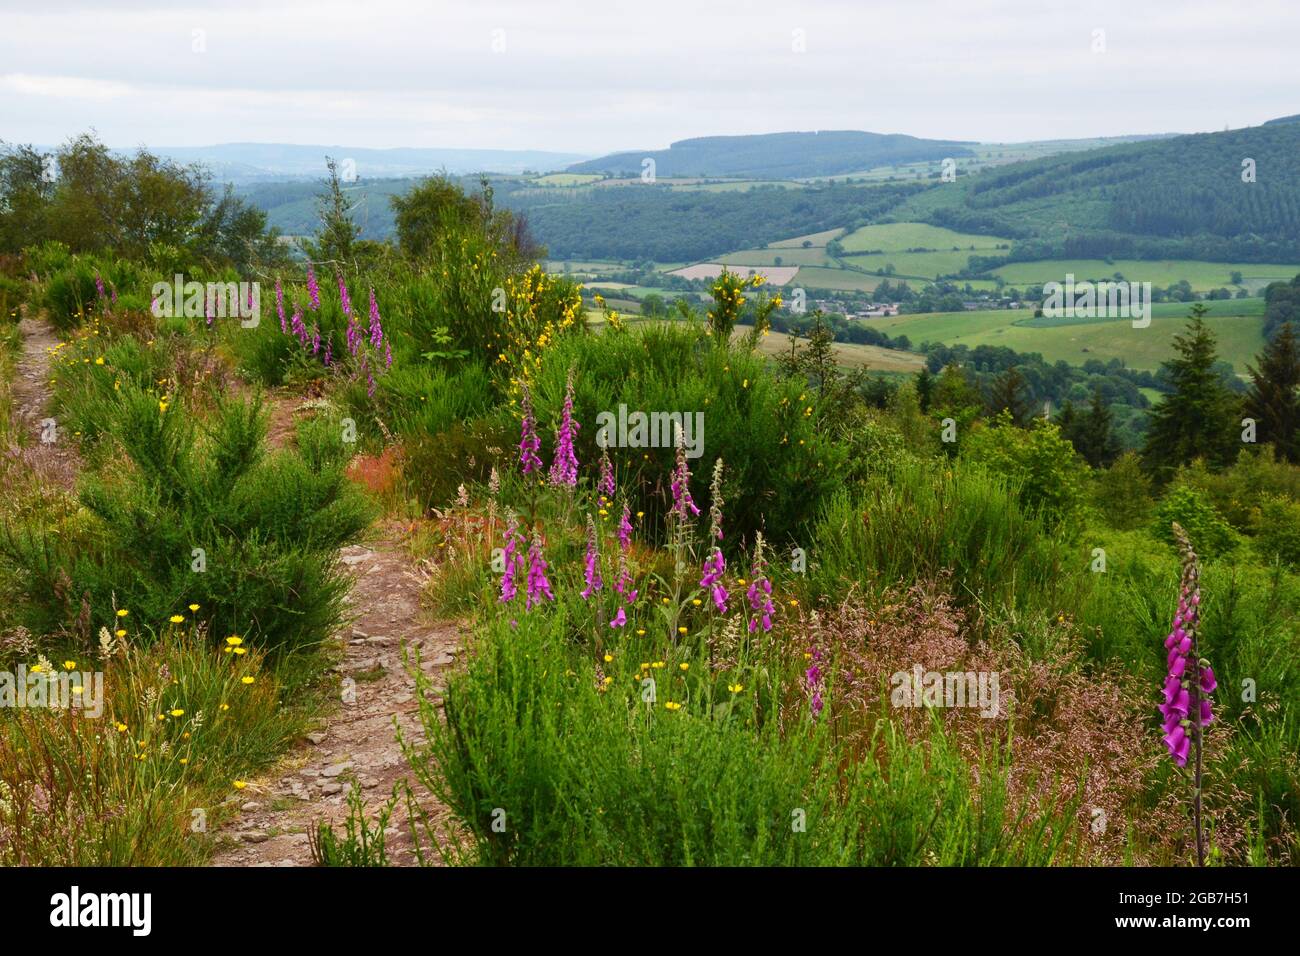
(565, 179)
(1240, 336)
(788, 257)
(900, 236)
(736, 185)
(1203, 276)
(816, 238)
(816, 277)
(926, 266)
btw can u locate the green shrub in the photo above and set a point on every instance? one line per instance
(1038, 462)
(778, 470)
(1236, 491)
(922, 522)
(1277, 530)
(1123, 493)
(1210, 535)
(190, 515)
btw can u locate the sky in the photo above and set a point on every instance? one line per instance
(595, 78)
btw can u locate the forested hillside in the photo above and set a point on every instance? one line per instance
(1224, 196)
(779, 155)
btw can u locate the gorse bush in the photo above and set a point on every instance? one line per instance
(920, 523)
(778, 467)
(190, 514)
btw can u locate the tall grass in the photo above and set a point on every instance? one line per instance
(144, 784)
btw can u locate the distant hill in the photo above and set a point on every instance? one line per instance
(779, 155)
(253, 162)
(1178, 198)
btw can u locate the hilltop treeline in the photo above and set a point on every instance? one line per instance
(779, 155)
(90, 200)
(657, 222)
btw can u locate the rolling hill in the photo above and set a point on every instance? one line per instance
(779, 155)
(1228, 196)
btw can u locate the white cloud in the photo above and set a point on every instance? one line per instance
(631, 74)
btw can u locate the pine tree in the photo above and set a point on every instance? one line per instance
(1272, 400)
(337, 233)
(1197, 419)
(924, 387)
(1007, 394)
(1092, 436)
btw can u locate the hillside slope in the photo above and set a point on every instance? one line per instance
(1186, 197)
(779, 155)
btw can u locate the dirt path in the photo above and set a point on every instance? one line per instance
(51, 453)
(357, 738)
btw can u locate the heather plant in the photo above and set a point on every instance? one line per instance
(699, 772)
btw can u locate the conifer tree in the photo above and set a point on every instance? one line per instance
(1198, 419)
(1008, 394)
(1091, 432)
(1272, 400)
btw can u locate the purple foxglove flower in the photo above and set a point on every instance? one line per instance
(279, 305)
(344, 300)
(352, 336)
(564, 470)
(605, 486)
(681, 486)
(376, 329)
(538, 586)
(625, 528)
(313, 288)
(513, 559)
(714, 567)
(1208, 683)
(529, 443)
(1188, 681)
(1178, 743)
(619, 619)
(592, 571)
(99, 285)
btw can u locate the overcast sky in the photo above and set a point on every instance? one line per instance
(598, 77)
